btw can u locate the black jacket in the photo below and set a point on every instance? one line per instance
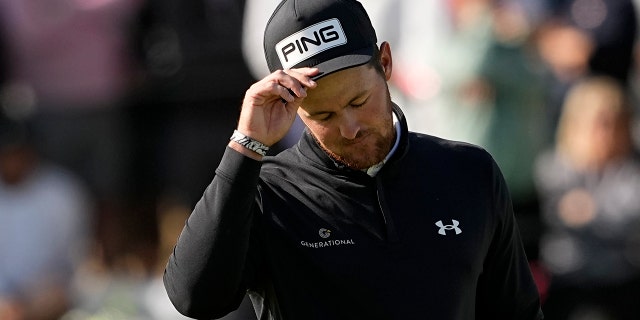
(431, 236)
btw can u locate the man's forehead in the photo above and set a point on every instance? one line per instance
(343, 79)
(341, 87)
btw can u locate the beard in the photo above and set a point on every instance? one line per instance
(372, 143)
(363, 156)
(370, 146)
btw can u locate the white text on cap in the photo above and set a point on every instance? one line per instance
(309, 42)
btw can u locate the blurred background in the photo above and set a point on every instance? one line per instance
(115, 113)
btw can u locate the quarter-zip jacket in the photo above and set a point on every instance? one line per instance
(431, 236)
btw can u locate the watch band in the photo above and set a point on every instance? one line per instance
(247, 142)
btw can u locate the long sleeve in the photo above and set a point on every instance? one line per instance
(205, 275)
(506, 289)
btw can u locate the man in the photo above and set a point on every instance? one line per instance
(361, 219)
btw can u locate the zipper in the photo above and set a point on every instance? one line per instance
(392, 235)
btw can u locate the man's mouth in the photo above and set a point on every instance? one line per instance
(358, 139)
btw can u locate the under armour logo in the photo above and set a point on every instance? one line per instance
(444, 228)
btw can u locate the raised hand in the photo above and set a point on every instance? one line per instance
(269, 107)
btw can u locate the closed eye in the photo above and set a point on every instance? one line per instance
(323, 116)
(360, 100)
(358, 104)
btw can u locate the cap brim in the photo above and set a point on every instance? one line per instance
(354, 59)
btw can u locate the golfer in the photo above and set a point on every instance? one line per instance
(362, 219)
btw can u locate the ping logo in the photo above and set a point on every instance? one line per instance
(324, 233)
(445, 227)
(309, 42)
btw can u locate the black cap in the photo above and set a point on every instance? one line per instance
(331, 35)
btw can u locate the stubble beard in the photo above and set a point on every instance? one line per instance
(362, 156)
(359, 158)
(373, 154)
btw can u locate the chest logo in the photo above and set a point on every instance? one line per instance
(324, 233)
(447, 227)
(325, 242)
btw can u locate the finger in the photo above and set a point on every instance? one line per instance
(292, 85)
(293, 94)
(287, 95)
(290, 89)
(266, 92)
(304, 75)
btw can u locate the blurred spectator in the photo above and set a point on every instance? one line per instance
(586, 37)
(44, 230)
(70, 72)
(565, 51)
(513, 78)
(589, 186)
(612, 25)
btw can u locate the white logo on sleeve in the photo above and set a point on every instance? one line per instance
(445, 227)
(309, 42)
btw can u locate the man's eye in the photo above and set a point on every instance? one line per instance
(326, 117)
(359, 104)
(322, 116)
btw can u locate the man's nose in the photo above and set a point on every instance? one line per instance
(349, 126)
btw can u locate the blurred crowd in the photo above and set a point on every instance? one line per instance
(114, 115)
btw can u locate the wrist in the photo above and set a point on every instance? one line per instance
(244, 151)
(244, 143)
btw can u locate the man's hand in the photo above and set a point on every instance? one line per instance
(264, 116)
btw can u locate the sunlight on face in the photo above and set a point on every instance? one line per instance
(350, 115)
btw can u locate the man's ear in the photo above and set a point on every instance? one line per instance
(385, 59)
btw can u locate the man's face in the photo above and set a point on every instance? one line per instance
(350, 114)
